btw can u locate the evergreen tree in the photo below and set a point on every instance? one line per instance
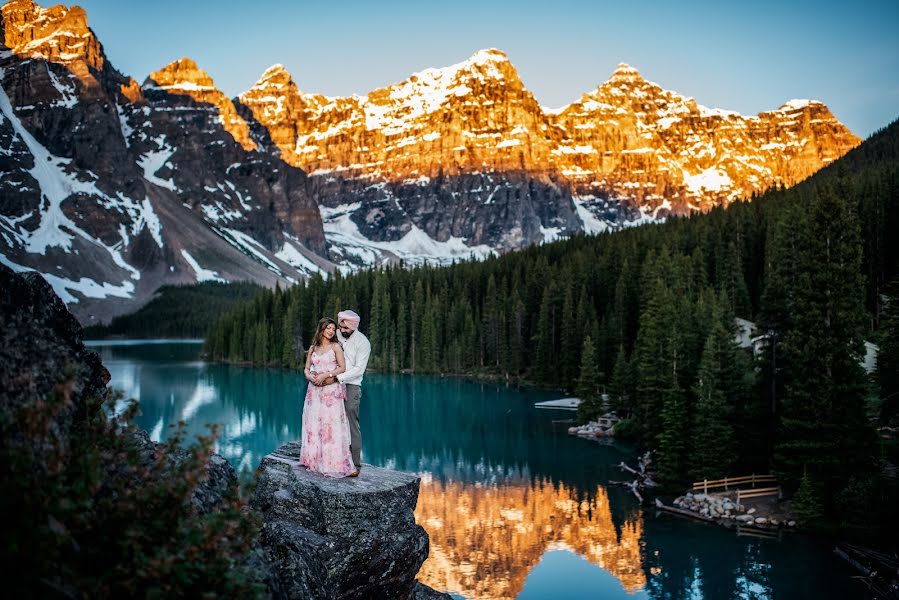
(546, 363)
(654, 351)
(516, 333)
(588, 389)
(428, 343)
(621, 384)
(713, 451)
(674, 434)
(732, 282)
(569, 327)
(778, 299)
(824, 429)
(806, 502)
(402, 326)
(491, 324)
(380, 330)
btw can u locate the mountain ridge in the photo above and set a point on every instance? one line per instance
(171, 181)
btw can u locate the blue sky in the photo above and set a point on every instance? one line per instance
(747, 56)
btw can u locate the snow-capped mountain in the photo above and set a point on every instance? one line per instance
(423, 157)
(434, 150)
(111, 188)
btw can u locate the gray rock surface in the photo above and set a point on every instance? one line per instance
(339, 538)
(41, 348)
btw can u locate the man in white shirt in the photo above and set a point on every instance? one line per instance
(356, 350)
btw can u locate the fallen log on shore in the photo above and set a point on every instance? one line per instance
(879, 571)
(684, 513)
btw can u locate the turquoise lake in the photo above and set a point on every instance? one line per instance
(514, 507)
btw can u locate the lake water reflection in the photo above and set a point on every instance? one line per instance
(513, 507)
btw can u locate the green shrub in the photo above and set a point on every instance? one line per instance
(92, 512)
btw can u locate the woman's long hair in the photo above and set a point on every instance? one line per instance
(320, 332)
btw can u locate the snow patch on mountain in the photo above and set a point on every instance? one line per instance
(202, 274)
(592, 224)
(150, 219)
(154, 160)
(252, 248)
(416, 247)
(126, 128)
(425, 92)
(68, 98)
(289, 254)
(218, 212)
(85, 286)
(711, 179)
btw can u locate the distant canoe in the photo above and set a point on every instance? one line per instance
(560, 404)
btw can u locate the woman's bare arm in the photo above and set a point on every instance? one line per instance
(341, 362)
(308, 362)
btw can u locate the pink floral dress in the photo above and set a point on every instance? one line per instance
(326, 431)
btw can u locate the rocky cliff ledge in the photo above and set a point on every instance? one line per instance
(339, 538)
(320, 538)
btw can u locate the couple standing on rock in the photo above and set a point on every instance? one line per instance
(331, 439)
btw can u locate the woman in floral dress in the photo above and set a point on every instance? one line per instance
(326, 431)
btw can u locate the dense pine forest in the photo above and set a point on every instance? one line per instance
(648, 316)
(178, 311)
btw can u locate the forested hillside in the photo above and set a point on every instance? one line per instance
(178, 311)
(652, 308)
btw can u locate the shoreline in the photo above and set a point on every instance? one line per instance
(517, 381)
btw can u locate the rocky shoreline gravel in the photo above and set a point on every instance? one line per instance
(723, 507)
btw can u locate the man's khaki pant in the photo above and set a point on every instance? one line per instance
(351, 405)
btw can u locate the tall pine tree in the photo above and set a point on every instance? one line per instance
(824, 432)
(588, 385)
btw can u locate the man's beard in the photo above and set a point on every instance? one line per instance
(347, 334)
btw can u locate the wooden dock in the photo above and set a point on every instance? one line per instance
(560, 404)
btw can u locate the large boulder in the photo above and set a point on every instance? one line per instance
(41, 351)
(339, 538)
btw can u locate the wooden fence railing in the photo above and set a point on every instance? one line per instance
(732, 482)
(757, 493)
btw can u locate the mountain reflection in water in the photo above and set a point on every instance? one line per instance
(485, 539)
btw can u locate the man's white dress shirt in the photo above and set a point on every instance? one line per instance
(356, 351)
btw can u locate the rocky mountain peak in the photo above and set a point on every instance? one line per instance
(801, 104)
(61, 35)
(277, 104)
(57, 34)
(489, 55)
(625, 73)
(487, 66)
(275, 71)
(273, 79)
(490, 61)
(184, 77)
(181, 76)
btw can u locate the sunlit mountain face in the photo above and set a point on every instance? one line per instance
(473, 131)
(112, 188)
